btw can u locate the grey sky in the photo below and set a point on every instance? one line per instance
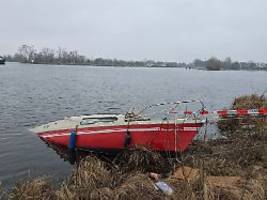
(175, 30)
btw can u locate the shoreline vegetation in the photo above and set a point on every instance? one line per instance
(60, 56)
(232, 168)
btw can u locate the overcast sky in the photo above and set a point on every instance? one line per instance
(174, 30)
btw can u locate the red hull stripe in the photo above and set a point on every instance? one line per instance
(119, 127)
(82, 132)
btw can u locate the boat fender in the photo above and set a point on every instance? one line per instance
(72, 140)
(128, 139)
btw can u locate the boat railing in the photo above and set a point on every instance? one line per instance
(134, 116)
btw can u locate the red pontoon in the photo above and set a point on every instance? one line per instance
(115, 132)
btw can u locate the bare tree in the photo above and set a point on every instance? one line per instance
(27, 53)
(214, 64)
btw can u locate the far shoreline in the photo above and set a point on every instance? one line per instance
(154, 67)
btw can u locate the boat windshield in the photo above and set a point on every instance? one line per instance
(90, 120)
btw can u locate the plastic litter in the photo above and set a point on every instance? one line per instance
(164, 187)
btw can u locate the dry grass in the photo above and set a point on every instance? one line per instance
(235, 188)
(39, 188)
(2, 192)
(93, 179)
(142, 160)
(250, 102)
(137, 186)
(88, 177)
(253, 101)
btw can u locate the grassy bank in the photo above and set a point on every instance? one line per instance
(232, 168)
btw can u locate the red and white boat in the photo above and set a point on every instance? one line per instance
(115, 132)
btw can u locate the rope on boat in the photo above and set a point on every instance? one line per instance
(73, 138)
(128, 137)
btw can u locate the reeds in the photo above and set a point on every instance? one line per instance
(249, 102)
(143, 160)
(2, 192)
(38, 188)
(253, 101)
(94, 179)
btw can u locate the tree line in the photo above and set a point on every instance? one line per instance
(30, 54)
(214, 64)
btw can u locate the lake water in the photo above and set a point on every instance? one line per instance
(35, 94)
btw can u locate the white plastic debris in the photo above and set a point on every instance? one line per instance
(164, 187)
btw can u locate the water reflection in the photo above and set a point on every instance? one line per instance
(75, 156)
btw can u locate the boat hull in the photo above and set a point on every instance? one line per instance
(2, 60)
(158, 137)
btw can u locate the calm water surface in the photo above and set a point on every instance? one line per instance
(35, 94)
